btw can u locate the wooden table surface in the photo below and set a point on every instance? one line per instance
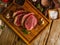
(49, 36)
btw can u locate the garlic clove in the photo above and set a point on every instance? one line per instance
(8, 16)
(42, 21)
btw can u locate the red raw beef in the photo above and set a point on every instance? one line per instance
(30, 22)
(18, 12)
(17, 20)
(25, 17)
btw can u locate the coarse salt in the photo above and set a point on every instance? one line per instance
(53, 14)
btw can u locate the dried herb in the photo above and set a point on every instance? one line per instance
(42, 9)
(39, 7)
(25, 31)
(2, 27)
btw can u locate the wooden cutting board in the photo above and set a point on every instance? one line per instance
(28, 38)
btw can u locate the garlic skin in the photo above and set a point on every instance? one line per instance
(34, 0)
(45, 3)
(53, 14)
(8, 16)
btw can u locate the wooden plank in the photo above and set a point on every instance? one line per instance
(34, 32)
(42, 38)
(59, 12)
(7, 37)
(10, 38)
(54, 38)
(18, 41)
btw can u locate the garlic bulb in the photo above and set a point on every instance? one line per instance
(45, 3)
(34, 0)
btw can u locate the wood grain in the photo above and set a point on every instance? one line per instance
(8, 37)
(18, 30)
(59, 12)
(54, 37)
(49, 36)
(42, 38)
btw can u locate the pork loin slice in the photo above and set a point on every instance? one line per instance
(30, 22)
(17, 20)
(17, 13)
(25, 17)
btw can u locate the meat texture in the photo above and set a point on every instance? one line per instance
(17, 20)
(28, 21)
(31, 22)
(25, 17)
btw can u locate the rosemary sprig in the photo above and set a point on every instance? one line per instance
(25, 31)
(2, 27)
(39, 7)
